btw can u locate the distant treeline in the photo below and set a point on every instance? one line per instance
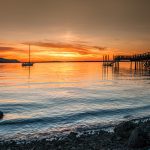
(4, 60)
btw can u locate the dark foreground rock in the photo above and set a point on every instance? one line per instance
(137, 136)
(1, 114)
(124, 129)
(140, 136)
(137, 139)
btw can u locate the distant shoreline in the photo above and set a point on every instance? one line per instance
(58, 62)
(4, 60)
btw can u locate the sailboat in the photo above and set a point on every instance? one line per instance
(28, 63)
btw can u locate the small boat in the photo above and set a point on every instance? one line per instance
(27, 64)
(24, 64)
(109, 64)
(147, 64)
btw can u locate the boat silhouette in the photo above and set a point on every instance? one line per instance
(29, 63)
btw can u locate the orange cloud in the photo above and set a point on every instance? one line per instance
(6, 48)
(48, 51)
(65, 47)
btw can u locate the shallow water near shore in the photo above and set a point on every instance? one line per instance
(53, 98)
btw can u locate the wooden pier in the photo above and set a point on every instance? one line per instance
(139, 60)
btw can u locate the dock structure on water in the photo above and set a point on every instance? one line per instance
(139, 60)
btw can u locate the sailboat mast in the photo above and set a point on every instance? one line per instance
(29, 53)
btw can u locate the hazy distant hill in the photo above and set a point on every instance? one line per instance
(3, 60)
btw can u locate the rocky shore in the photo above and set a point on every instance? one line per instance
(1, 114)
(130, 135)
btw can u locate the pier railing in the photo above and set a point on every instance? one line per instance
(138, 59)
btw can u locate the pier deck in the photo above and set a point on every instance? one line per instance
(142, 60)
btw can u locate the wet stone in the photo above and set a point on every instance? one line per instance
(1, 114)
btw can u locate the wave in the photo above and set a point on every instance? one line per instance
(72, 117)
(61, 132)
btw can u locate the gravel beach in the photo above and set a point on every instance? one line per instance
(129, 135)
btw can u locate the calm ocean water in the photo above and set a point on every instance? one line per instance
(55, 98)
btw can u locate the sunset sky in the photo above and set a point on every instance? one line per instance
(71, 30)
